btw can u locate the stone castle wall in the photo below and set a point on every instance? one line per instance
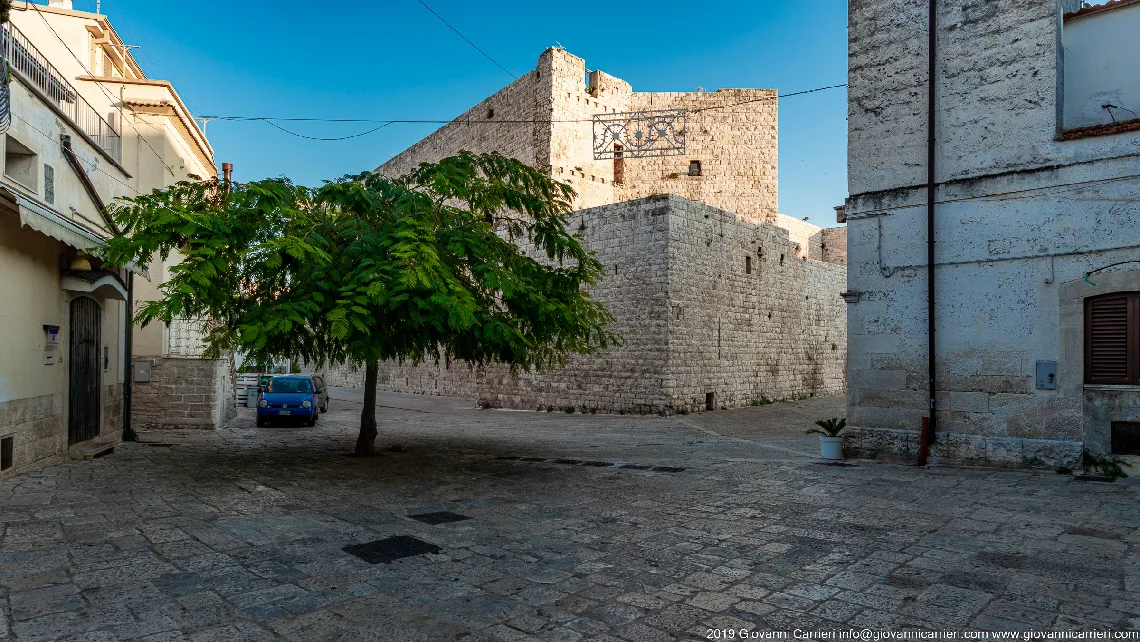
(184, 393)
(749, 318)
(693, 321)
(545, 119)
(733, 133)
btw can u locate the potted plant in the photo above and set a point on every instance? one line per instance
(830, 441)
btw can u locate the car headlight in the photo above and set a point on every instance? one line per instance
(306, 403)
(263, 403)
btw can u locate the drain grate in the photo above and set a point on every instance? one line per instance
(635, 467)
(568, 462)
(598, 464)
(391, 549)
(667, 469)
(440, 517)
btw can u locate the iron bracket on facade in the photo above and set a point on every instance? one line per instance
(640, 134)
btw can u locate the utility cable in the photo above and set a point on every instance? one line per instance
(492, 121)
(467, 39)
(374, 129)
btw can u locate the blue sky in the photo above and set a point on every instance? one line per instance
(392, 59)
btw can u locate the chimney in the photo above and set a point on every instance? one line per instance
(60, 4)
(228, 172)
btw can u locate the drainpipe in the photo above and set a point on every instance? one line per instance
(129, 375)
(931, 122)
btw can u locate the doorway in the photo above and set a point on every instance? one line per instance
(84, 374)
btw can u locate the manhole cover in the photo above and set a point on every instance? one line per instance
(635, 467)
(391, 549)
(441, 517)
(597, 464)
(667, 469)
(568, 462)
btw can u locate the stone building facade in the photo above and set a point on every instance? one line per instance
(1037, 213)
(720, 299)
(715, 312)
(544, 119)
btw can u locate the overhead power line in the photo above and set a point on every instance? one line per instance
(270, 120)
(374, 129)
(485, 55)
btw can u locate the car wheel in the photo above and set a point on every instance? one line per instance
(260, 422)
(325, 408)
(313, 420)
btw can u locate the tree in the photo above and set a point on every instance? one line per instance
(468, 259)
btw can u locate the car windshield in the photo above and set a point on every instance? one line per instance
(290, 385)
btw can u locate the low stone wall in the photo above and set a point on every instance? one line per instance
(184, 393)
(960, 448)
(38, 430)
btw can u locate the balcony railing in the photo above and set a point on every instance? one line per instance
(23, 56)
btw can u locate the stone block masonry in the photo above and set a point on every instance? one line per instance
(707, 304)
(545, 120)
(1023, 215)
(184, 393)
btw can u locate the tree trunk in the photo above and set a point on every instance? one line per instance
(366, 441)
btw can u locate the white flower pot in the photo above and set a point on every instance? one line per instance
(831, 447)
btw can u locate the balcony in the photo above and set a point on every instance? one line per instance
(27, 61)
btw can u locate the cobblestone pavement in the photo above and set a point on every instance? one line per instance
(239, 535)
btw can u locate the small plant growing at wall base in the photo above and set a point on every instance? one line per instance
(762, 401)
(1107, 469)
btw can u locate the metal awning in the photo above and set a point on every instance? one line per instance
(48, 222)
(105, 284)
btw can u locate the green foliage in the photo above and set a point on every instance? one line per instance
(829, 427)
(468, 259)
(1106, 466)
(762, 401)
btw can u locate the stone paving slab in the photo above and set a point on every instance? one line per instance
(239, 534)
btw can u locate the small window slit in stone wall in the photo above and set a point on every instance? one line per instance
(748, 265)
(6, 453)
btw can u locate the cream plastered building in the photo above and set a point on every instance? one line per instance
(87, 127)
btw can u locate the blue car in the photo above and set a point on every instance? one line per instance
(289, 398)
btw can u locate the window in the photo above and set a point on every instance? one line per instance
(619, 165)
(1112, 339)
(1100, 80)
(49, 184)
(21, 164)
(6, 453)
(695, 168)
(748, 265)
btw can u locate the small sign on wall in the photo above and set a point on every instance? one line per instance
(142, 371)
(49, 357)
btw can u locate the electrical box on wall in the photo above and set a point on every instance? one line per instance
(1046, 375)
(142, 370)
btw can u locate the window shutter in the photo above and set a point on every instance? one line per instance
(1111, 344)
